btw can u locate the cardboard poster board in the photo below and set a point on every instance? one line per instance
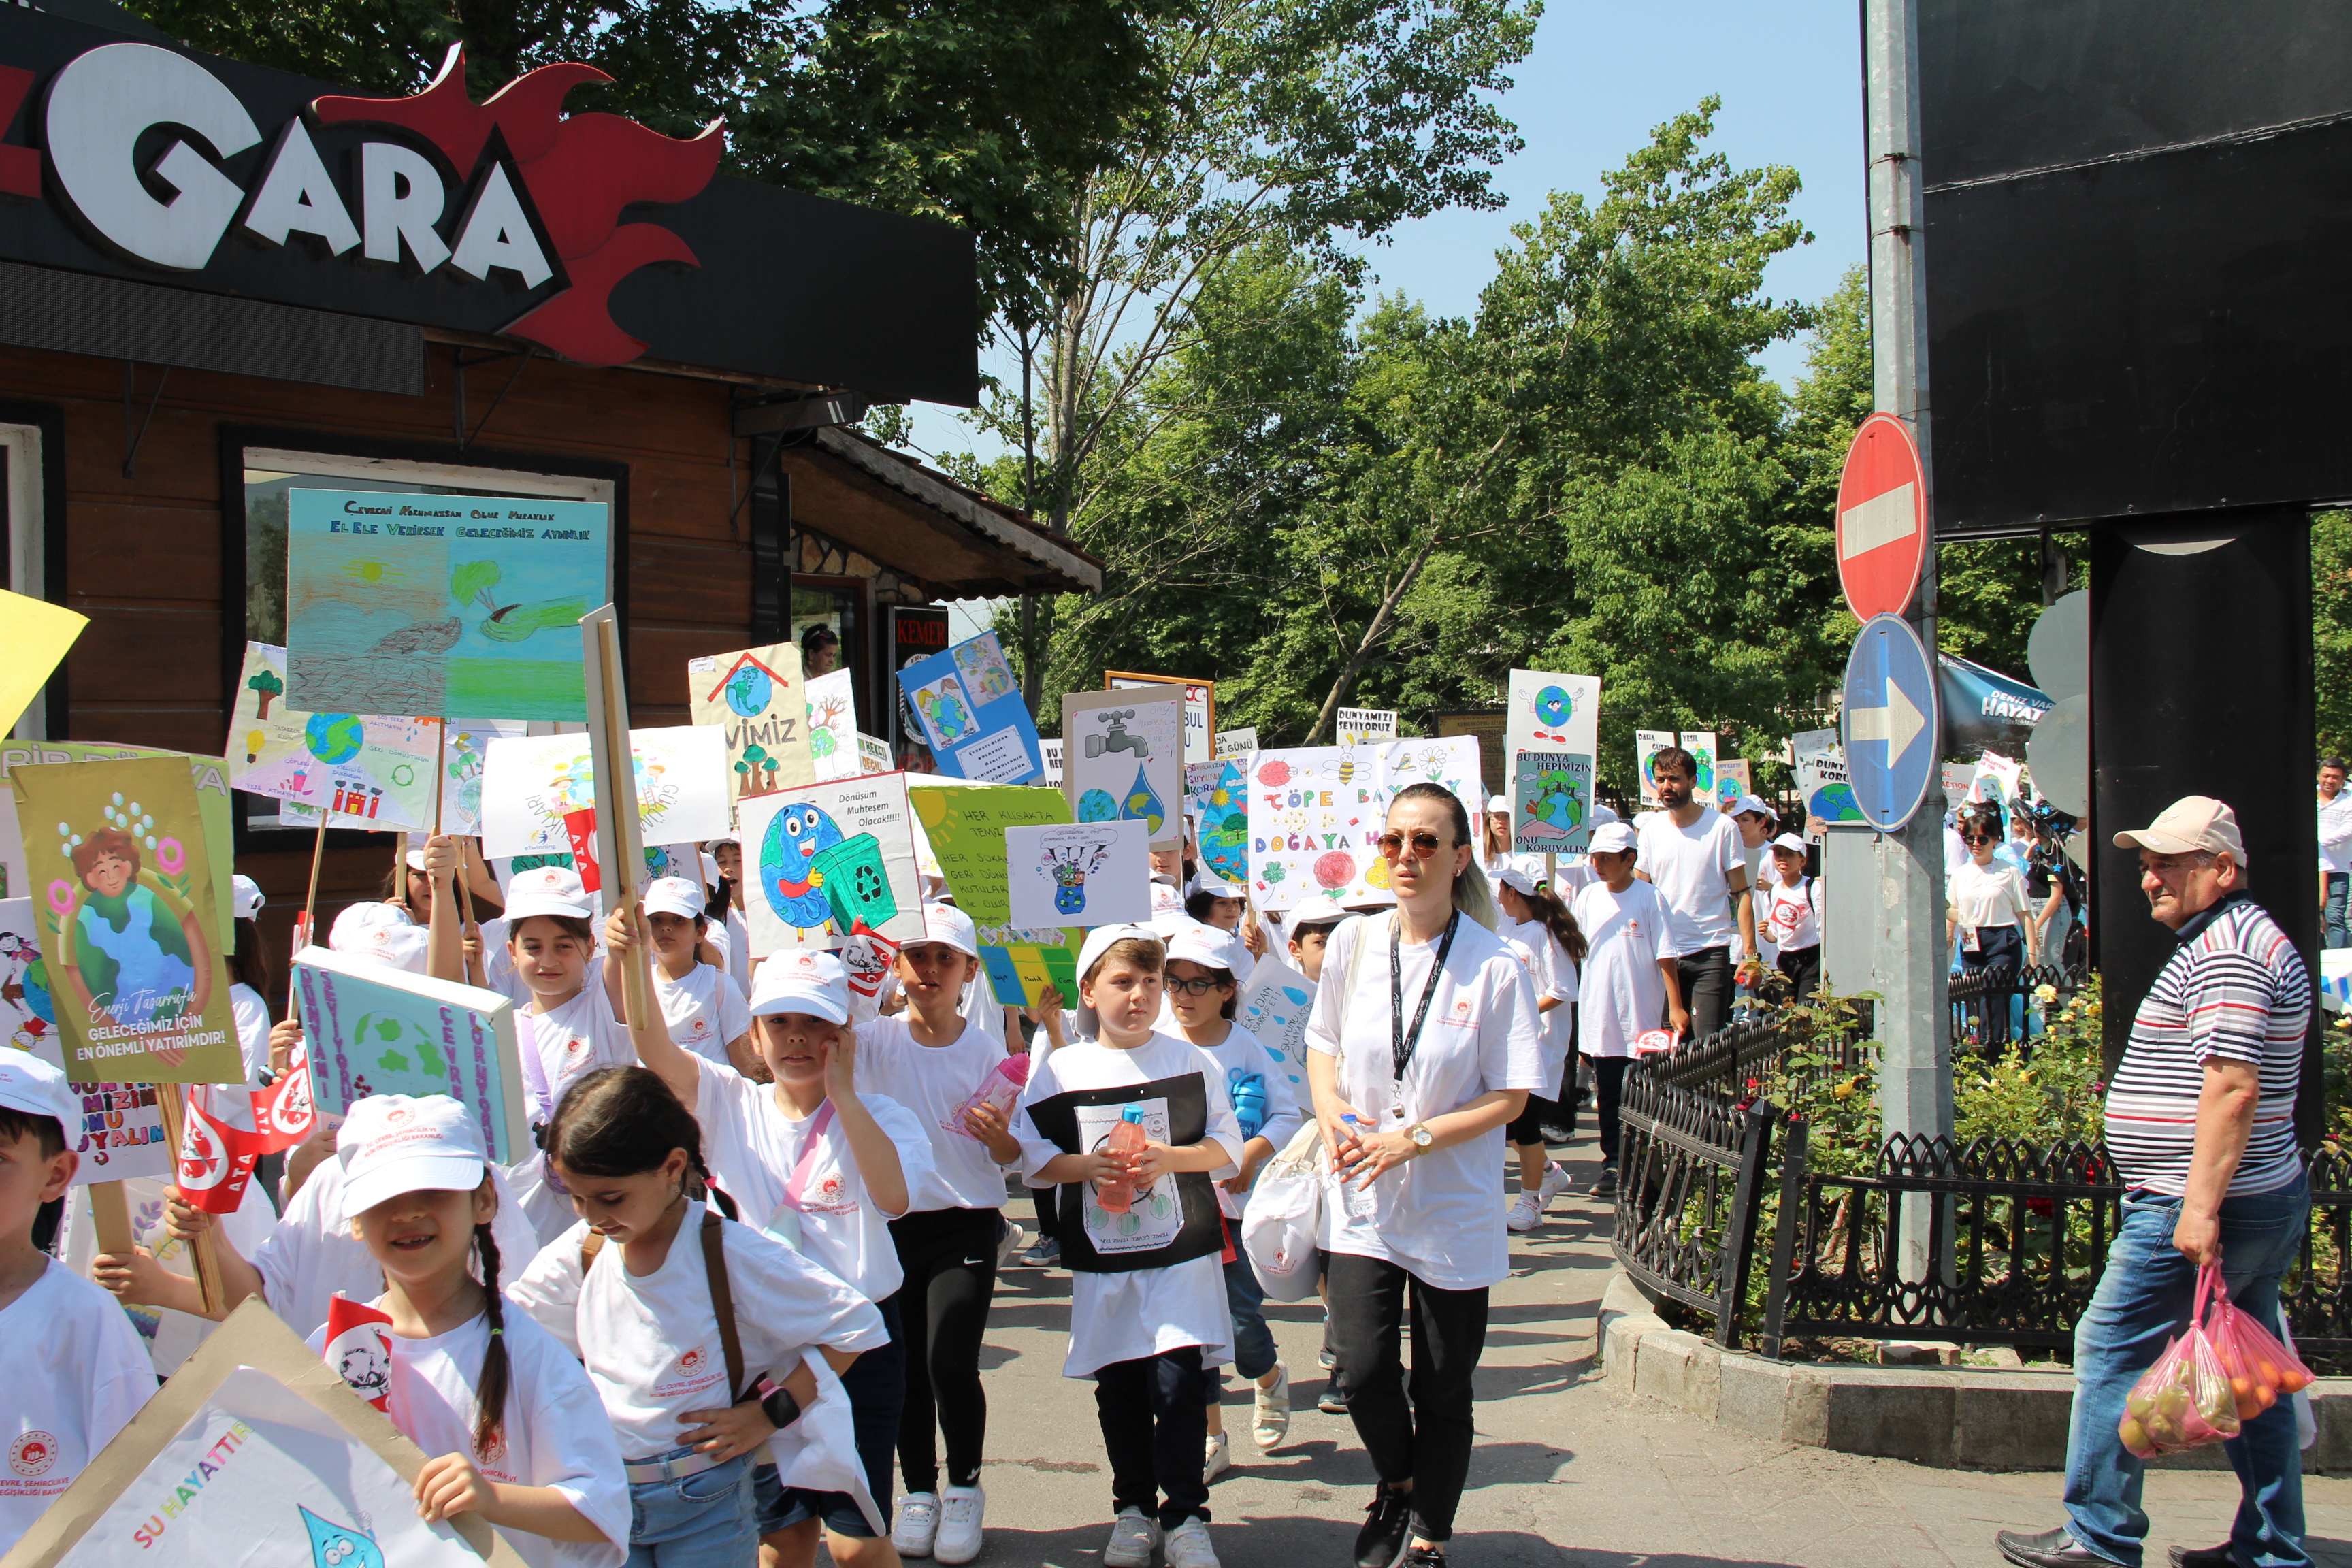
(367, 771)
(1274, 1006)
(1551, 802)
(444, 607)
(1238, 743)
(757, 697)
(1700, 744)
(1824, 781)
(255, 1451)
(965, 828)
(1647, 744)
(972, 717)
(822, 859)
(36, 635)
(129, 925)
(1200, 708)
(1731, 781)
(1364, 726)
(832, 702)
(1123, 759)
(1170, 1220)
(531, 785)
(1314, 812)
(209, 774)
(1085, 873)
(1220, 795)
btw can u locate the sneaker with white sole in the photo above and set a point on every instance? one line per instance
(918, 1521)
(1218, 1458)
(1526, 1212)
(1133, 1538)
(1270, 1422)
(962, 1510)
(1555, 1181)
(1009, 1246)
(1188, 1545)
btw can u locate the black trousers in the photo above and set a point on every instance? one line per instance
(1425, 1439)
(1705, 979)
(950, 1256)
(1802, 966)
(1526, 1128)
(1608, 1090)
(1155, 1424)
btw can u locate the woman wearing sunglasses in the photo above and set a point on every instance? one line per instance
(1423, 1044)
(1988, 909)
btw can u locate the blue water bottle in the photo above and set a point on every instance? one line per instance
(1248, 1091)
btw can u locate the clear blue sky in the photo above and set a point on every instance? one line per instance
(1601, 77)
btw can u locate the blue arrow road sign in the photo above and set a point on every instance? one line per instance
(1891, 722)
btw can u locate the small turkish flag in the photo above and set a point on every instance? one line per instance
(581, 827)
(284, 1113)
(215, 1161)
(359, 1347)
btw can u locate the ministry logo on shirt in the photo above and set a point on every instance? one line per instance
(693, 1361)
(33, 1453)
(1460, 1017)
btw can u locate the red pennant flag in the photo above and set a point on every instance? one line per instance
(284, 1113)
(215, 1161)
(581, 827)
(866, 957)
(359, 1347)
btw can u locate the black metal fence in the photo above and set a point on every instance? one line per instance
(1692, 1166)
(1991, 1007)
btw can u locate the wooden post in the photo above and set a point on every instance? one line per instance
(110, 1212)
(168, 1099)
(309, 934)
(619, 835)
(440, 770)
(1551, 869)
(477, 967)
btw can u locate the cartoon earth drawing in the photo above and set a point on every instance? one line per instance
(1142, 804)
(1096, 805)
(400, 1045)
(749, 690)
(1274, 772)
(1836, 803)
(1553, 706)
(1335, 869)
(334, 737)
(796, 836)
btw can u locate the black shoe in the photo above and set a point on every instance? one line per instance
(1424, 1557)
(2202, 1556)
(2051, 1548)
(1334, 1400)
(1382, 1542)
(1606, 1184)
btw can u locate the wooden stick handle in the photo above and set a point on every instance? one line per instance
(110, 1212)
(168, 1099)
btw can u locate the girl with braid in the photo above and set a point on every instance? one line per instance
(515, 1426)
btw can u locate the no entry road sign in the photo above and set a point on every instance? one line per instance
(1882, 518)
(1891, 722)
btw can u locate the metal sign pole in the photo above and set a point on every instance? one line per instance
(1908, 940)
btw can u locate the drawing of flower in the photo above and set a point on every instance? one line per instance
(171, 856)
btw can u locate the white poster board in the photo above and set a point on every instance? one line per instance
(1123, 758)
(531, 783)
(1079, 873)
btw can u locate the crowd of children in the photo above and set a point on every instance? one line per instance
(801, 1193)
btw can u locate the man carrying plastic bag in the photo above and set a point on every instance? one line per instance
(2201, 1121)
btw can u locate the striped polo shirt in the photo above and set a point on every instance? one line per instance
(2235, 987)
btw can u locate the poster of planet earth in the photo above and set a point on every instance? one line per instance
(366, 770)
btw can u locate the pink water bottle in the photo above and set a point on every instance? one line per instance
(1002, 1088)
(1127, 1140)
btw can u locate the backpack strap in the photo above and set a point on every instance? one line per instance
(590, 1246)
(722, 1303)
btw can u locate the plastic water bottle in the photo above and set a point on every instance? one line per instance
(1127, 1140)
(1002, 1088)
(1248, 1090)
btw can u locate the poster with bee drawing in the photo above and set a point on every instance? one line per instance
(1315, 814)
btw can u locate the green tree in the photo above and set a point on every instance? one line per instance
(2331, 630)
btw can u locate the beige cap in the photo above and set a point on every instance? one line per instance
(2192, 823)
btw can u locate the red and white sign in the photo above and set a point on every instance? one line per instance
(1882, 518)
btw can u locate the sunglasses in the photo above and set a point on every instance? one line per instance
(1977, 839)
(1200, 987)
(1425, 845)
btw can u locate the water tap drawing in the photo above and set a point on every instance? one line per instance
(1116, 738)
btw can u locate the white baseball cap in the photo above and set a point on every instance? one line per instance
(1519, 881)
(804, 980)
(950, 927)
(1498, 805)
(1318, 909)
(1611, 838)
(1377, 899)
(246, 895)
(1789, 841)
(672, 896)
(32, 1086)
(2192, 823)
(1748, 803)
(1600, 816)
(547, 890)
(393, 1143)
(1217, 887)
(381, 932)
(1206, 946)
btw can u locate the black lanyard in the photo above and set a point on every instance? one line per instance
(1401, 1045)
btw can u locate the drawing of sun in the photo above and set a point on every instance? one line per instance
(375, 573)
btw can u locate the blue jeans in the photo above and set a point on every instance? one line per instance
(877, 1385)
(2143, 1300)
(702, 1521)
(1253, 1349)
(2338, 934)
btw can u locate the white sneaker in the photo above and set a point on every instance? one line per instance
(1010, 1246)
(1188, 1545)
(1271, 1423)
(1555, 1181)
(1132, 1538)
(960, 1512)
(1218, 1458)
(918, 1521)
(1526, 1212)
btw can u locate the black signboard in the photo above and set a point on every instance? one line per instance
(2139, 246)
(916, 631)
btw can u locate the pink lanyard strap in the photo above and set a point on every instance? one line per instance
(807, 1161)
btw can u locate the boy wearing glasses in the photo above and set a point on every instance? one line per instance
(1630, 977)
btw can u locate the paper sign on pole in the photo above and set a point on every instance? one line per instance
(973, 718)
(872, 754)
(1316, 813)
(1085, 873)
(1700, 744)
(1731, 782)
(1052, 777)
(208, 774)
(532, 782)
(1647, 744)
(129, 924)
(1122, 758)
(1549, 712)
(1823, 782)
(966, 828)
(1362, 726)
(823, 858)
(36, 635)
(832, 725)
(1551, 802)
(1199, 707)
(1274, 1006)
(756, 696)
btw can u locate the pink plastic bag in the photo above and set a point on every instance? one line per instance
(2185, 1401)
(2261, 1371)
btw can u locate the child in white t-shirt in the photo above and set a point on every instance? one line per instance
(514, 1424)
(1630, 977)
(1544, 934)
(1146, 1335)
(704, 1011)
(1202, 992)
(695, 1332)
(79, 1372)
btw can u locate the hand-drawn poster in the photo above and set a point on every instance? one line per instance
(441, 607)
(1200, 708)
(366, 770)
(974, 722)
(1549, 712)
(1122, 759)
(127, 919)
(1315, 814)
(1169, 1221)
(28, 1019)
(1274, 1006)
(1238, 743)
(461, 759)
(1084, 873)
(1220, 792)
(209, 774)
(832, 704)
(872, 755)
(372, 1029)
(1824, 781)
(1700, 744)
(1450, 761)
(1365, 726)
(1551, 802)
(13, 877)
(121, 1132)
(531, 783)
(1731, 782)
(1647, 744)
(757, 697)
(828, 858)
(965, 828)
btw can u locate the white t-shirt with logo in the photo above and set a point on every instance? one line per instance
(252, 1015)
(1438, 1215)
(555, 1432)
(1794, 915)
(1552, 973)
(753, 1149)
(704, 1011)
(1691, 868)
(561, 1046)
(1242, 1050)
(1622, 995)
(80, 1374)
(931, 1081)
(651, 1342)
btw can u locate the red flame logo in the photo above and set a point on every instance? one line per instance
(580, 171)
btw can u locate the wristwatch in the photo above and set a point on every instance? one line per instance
(1420, 1135)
